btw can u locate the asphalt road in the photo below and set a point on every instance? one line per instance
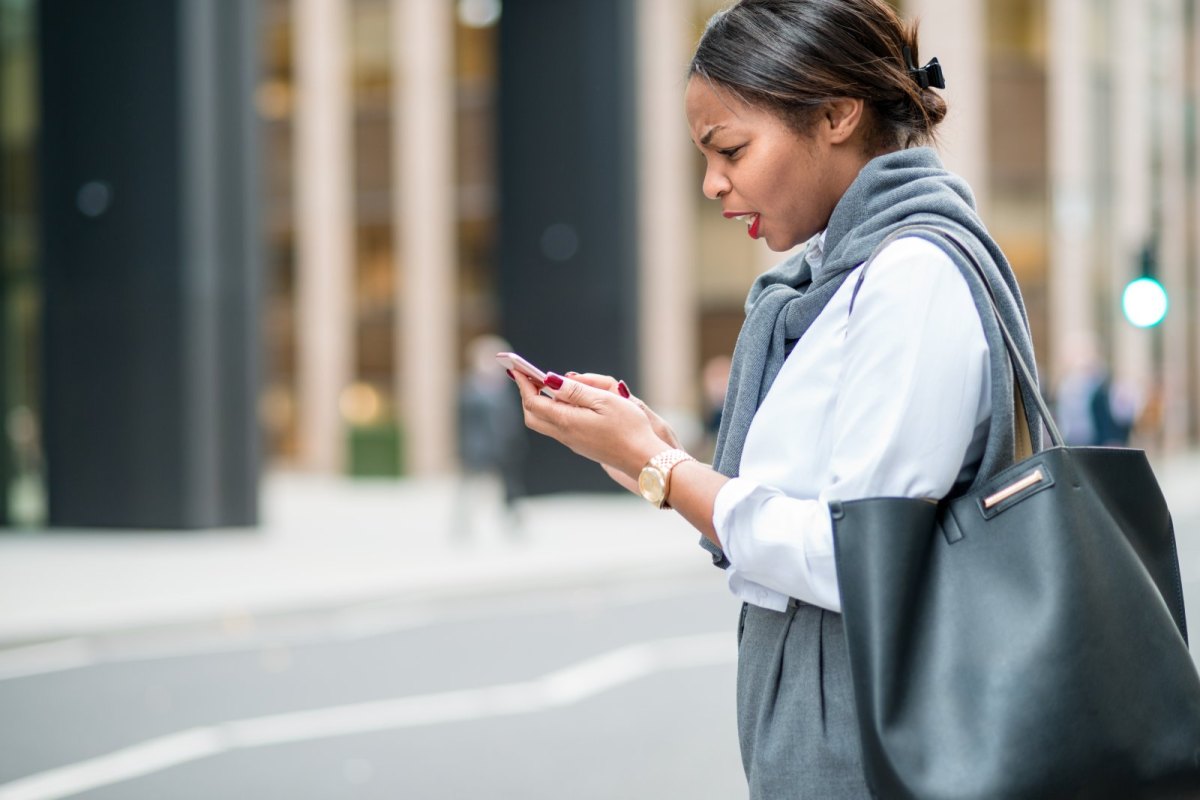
(618, 691)
(623, 691)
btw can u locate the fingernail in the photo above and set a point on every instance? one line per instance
(509, 373)
(571, 374)
(554, 381)
(623, 389)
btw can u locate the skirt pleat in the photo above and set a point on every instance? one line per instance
(795, 699)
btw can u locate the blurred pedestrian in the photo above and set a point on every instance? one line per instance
(812, 117)
(491, 441)
(1091, 406)
(714, 380)
(1114, 406)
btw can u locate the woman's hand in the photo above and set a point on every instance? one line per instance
(595, 423)
(603, 425)
(610, 384)
(661, 429)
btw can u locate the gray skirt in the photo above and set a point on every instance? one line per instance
(795, 706)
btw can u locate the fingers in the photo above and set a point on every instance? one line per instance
(574, 392)
(637, 401)
(660, 426)
(525, 385)
(605, 383)
(591, 422)
(552, 417)
(533, 402)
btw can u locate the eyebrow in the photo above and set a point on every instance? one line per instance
(708, 136)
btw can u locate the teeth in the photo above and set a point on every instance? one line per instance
(747, 218)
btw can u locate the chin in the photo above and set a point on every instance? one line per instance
(778, 246)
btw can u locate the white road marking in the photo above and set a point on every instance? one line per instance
(354, 623)
(563, 687)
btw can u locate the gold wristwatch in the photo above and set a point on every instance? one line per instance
(654, 482)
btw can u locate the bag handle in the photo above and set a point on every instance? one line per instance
(1024, 377)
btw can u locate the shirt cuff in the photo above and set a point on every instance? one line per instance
(728, 497)
(776, 543)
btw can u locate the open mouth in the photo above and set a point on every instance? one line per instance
(751, 219)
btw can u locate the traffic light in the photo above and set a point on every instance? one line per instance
(1144, 300)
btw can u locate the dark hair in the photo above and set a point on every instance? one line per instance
(793, 56)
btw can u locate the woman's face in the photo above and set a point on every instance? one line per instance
(782, 184)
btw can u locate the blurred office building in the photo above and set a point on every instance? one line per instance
(258, 234)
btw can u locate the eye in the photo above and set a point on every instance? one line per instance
(732, 152)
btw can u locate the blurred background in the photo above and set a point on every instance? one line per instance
(251, 250)
(263, 234)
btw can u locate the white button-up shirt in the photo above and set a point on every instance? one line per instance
(893, 400)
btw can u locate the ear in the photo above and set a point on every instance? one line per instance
(841, 118)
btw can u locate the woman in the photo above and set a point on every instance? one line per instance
(811, 116)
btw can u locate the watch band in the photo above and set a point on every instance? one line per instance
(666, 461)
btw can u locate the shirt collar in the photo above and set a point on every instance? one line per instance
(815, 253)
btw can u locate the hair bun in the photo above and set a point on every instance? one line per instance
(793, 56)
(929, 108)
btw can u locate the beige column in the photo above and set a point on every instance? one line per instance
(668, 367)
(324, 229)
(1072, 191)
(423, 104)
(953, 31)
(1168, 43)
(1190, 305)
(1131, 203)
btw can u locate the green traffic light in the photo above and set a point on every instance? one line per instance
(1144, 302)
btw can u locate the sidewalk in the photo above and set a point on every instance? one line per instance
(325, 542)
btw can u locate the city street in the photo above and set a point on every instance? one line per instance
(275, 524)
(601, 692)
(616, 683)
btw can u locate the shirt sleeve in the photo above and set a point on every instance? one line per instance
(911, 399)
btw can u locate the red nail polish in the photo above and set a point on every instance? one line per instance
(509, 373)
(623, 389)
(555, 382)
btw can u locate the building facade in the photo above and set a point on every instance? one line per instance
(1073, 120)
(432, 171)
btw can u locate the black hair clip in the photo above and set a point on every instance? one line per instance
(926, 76)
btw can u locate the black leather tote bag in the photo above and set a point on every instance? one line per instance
(1025, 640)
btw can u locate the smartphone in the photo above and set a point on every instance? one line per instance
(512, 361)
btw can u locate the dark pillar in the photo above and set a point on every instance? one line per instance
(6, 270)
(567, 262)
(151, 262)
(6, 455)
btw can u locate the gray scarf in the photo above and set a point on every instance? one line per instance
(902, 188)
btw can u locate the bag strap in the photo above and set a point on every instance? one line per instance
(1023, 376)
(1024, 443)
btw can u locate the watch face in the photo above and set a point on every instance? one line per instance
(652, 484)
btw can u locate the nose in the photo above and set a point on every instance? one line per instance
(715, 183)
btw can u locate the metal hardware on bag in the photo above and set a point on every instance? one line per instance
(950, 527)
(999, 497)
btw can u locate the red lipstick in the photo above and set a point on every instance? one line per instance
(751, 218)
